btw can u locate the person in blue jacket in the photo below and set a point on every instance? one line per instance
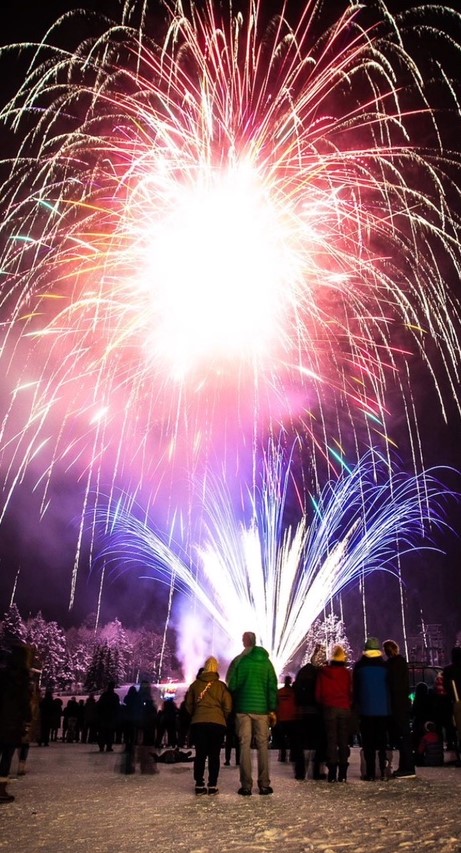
(372, 703)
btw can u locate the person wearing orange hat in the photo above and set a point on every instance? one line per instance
(333, 692)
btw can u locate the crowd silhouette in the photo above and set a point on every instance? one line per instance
(311, 722)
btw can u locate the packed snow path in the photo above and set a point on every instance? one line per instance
(75, 799)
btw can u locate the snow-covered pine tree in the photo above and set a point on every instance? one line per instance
(50, 642)
(12, 626)
(95, 676)
(147, 654)
(327, 632)
(114, 636)
(104, 667)
(81, 644)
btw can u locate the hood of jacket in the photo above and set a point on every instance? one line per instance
(208, 676)
(258, 653)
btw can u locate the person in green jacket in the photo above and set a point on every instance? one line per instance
(253, 685)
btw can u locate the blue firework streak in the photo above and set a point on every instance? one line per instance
(253, 569)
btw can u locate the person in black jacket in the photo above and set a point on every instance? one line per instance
(108, 713)
(310, 731)
(399, 692)
(15, 710)
(47, 711)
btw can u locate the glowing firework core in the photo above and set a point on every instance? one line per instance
(219, 262)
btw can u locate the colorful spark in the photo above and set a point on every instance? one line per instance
(235, 228)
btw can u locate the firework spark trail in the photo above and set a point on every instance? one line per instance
(221, 233)
(255, 570)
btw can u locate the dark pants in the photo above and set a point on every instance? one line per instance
(401, 736)
(7, 752)
(337, 727)
(23, 751)
(309, 734)
(106, 736)
(45, 729)
(284, 739)
(231, 742)
(373, 731)
(208, 740)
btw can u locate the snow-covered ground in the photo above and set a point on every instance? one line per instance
(73, 798)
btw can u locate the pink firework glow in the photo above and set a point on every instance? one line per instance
(231, 227)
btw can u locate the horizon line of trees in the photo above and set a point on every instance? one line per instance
(87, 657)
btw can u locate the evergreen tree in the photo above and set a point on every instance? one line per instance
(114, 636)
(81, 644)
(104, 667)
(94, 679)
(12, 625)
(49, 640)
(327, 632)
(146, 655)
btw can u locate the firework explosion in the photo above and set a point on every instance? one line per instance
(252, 568)
(228, 231)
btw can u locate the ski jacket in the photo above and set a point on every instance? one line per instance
(371, 688)
(334, 686)
(208, 700)
(253, 683)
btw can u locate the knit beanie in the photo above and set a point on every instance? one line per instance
(339, 654)
(372, 645)
(319, 657)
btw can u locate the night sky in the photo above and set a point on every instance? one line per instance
(44, 553)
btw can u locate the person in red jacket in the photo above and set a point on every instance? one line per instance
(283, 734)
(333, 692)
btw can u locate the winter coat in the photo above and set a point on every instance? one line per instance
(234, 662)
(371, 687)
(399, 687)
(287, 707)
(90, 714)
(132, 707)
(15, 697)
(334, 686)
(430, 748)
(71, 710)
(147, 719)
(208, 700)
(304, 688)
(108, 709)
(253, 683)
(47, 709)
